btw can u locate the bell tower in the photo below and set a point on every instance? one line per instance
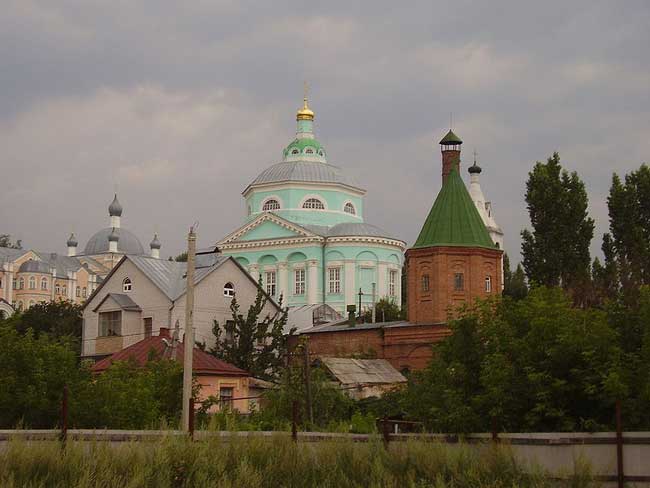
(450, 147)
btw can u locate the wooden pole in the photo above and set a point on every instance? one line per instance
(619, 446)
(64, 414)
(294, 421)
(189, 330)
(191, 419)
(310, 410)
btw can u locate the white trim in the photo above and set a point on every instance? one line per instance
(345, 203)
(337, 212)
(314, 196)
(265, 216)
(304, 185)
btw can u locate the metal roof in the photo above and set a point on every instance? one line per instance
(127, 244)
(123, 301)
(304, 171)
(33, 266)
(357, 229)
(350, 371)
(343, 326)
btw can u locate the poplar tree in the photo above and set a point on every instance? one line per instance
(514, 283)
(556, 251)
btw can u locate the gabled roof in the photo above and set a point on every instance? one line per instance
(123, 301)
(202, 362)
(350, 371)
(454, 219)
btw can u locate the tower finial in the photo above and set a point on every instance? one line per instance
(305, 113)
(475, 154)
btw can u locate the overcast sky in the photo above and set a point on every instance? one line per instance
(181, 104)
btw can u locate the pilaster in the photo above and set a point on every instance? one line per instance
(312, 284)
(283, 281)
(349, 272)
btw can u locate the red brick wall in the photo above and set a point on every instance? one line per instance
(441, 264)
(450, 159)
(348, 343)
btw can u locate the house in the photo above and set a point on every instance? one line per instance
(363, 378)
(142, 295)
(216, 377)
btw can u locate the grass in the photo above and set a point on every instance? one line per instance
(258, 462)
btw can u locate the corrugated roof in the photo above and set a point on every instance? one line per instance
(202, 362)
(123, 301)
(454, 219)
(343, 326)
(304, 171)
(350, 371)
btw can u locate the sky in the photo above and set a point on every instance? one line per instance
(179, 105)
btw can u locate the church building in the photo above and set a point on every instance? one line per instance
(305, 234)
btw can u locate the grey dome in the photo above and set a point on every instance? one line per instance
(475, 168)
(304, 171)
(32, 266)
(128, 243)
(155, 243)
(115, 208)
(72, 241)
(357, 229)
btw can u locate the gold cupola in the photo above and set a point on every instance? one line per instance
(305, 113)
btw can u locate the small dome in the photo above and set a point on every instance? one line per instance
(155, 243)
(128, 243)
(115, 208)
(72, 241)
(305, 113)
(474, 169)
(113, 236)
(33, 266)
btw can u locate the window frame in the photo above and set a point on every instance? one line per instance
(226, 401)
(32, 283)
(349, 205)
(334, 280)
(127, 285)
(425, 283)
(271, 200)
(109, 323)
(272, 286)
(392, 282)
(299, 281)
(459, 282)
(310, 204)
(44, 283)
(229, 291)
(488, 284)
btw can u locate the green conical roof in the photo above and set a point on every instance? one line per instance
(454, 219)
(450, 138)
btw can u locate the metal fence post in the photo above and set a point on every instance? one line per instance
(64, 414)
(619, 446)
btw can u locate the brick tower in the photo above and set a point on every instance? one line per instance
(453, 260)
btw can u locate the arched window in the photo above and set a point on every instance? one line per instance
(228, 290)
(295, 151)
(425, 283)
(43, 283)
(57, 289)
(314, 203)
(127, 286)
(349, 208)
(271, 204)
(83, 292)
(309, 150)
(21, 284)
(78, 292)
(65, 290)
(488, 284)
(32, 283)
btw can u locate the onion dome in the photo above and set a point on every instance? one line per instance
(72, 241)
(450, 139)
(305, 113)
(113, 236)
(155, 243)
(115, 208)
(474, 169)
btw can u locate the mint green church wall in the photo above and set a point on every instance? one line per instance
(265, 230)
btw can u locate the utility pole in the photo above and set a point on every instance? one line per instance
(374, 302)
(189, 330)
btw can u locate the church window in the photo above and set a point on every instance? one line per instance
(228, 290)
(299, 281)
(78, 292)
(21, 284)
(314, 203)
(334, 280)
(425, 282)
(295, 151)
(459, 282)
(57, 288)
(271, 204)
(32, 283)
(127, 286)
(43, 283)
(349, 208)
(84, 291)
(488, 284)
(15, 284)
(64, 290)
(309, 150)
(270, 282)
(392, 281)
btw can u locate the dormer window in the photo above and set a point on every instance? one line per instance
(349, 209)
(313, 203)
(127, 286)
(309, 150)
(271, 204)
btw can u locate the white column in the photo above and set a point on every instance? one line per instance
(382, 283)
(72, 251)
(283, 282)
(155, 253)
(312, 282)
(115, 221)
(398, 288)
(254, 271)
(72, 289)
(350, 288)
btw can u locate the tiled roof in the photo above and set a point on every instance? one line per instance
(202, 362)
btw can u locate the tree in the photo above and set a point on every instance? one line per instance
(256, 345)
(181, 258)
(5, 241)
(627, 246)
(556, 252)
(386, 311)
(514, 284)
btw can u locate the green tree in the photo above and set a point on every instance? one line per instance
(556, 252)
(253, 343)
(387, 311)
(5, 241)
(627, 246)
(514, 284)
(181, 258)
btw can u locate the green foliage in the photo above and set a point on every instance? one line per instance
(556, 252)
(387, 311)
(536, 364)
(181, 258)
(5, 241)
(272, 463)
(256, 345)
(514, 284)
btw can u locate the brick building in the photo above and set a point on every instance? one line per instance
(455, 260)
